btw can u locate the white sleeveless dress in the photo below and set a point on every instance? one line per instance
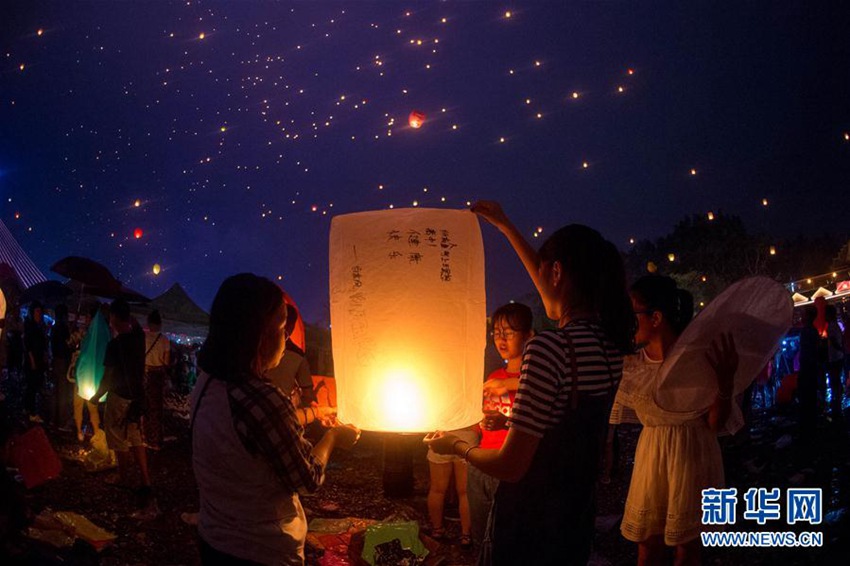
(677, 456)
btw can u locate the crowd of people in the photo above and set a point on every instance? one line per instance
(129, 367)
(822, 364)
(526, 476)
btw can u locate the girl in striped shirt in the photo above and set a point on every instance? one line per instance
(544, 508)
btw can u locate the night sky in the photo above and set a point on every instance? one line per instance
(231, 133)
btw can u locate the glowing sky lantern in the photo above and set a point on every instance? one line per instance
(157, 268)
(90, 361)
(137, 233)
(416, 119)
(408, 318)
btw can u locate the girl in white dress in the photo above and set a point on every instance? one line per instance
(677, 455)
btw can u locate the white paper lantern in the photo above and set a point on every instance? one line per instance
(408, 318)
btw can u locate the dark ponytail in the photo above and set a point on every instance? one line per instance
(660, 293)
(595, 270)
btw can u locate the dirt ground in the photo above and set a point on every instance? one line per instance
(769, 454)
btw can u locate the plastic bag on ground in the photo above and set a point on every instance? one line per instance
(83, 528)
(406, 532)
(100, 457)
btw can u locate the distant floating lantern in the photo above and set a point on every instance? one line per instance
(202, 35)
(40, 32)
(772, 250)
(693, 171)
(138, 233)
(651, 267)
(416, 119)
(764, 202)
(137, 203)
(671, 257)
(156, 269)
(401, 366)
(711, 215)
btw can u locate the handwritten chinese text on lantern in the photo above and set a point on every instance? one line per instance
(416, 119)
(408, 318)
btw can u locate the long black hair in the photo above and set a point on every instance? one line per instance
(660, 293)
(595, 270)
(241, 316)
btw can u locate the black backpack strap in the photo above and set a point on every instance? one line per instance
(573, 370)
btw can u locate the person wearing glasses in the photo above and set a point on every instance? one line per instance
(544, 508)
(512, 328)
(677, 454)
(249, 453)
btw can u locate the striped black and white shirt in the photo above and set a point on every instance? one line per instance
(546, 379)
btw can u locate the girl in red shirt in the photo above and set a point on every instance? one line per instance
(512, 328)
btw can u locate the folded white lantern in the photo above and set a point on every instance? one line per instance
(408, 318)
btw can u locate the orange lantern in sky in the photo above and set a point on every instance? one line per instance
(137, 233)
(416, 119)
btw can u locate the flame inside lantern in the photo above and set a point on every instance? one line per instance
(398, 395)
